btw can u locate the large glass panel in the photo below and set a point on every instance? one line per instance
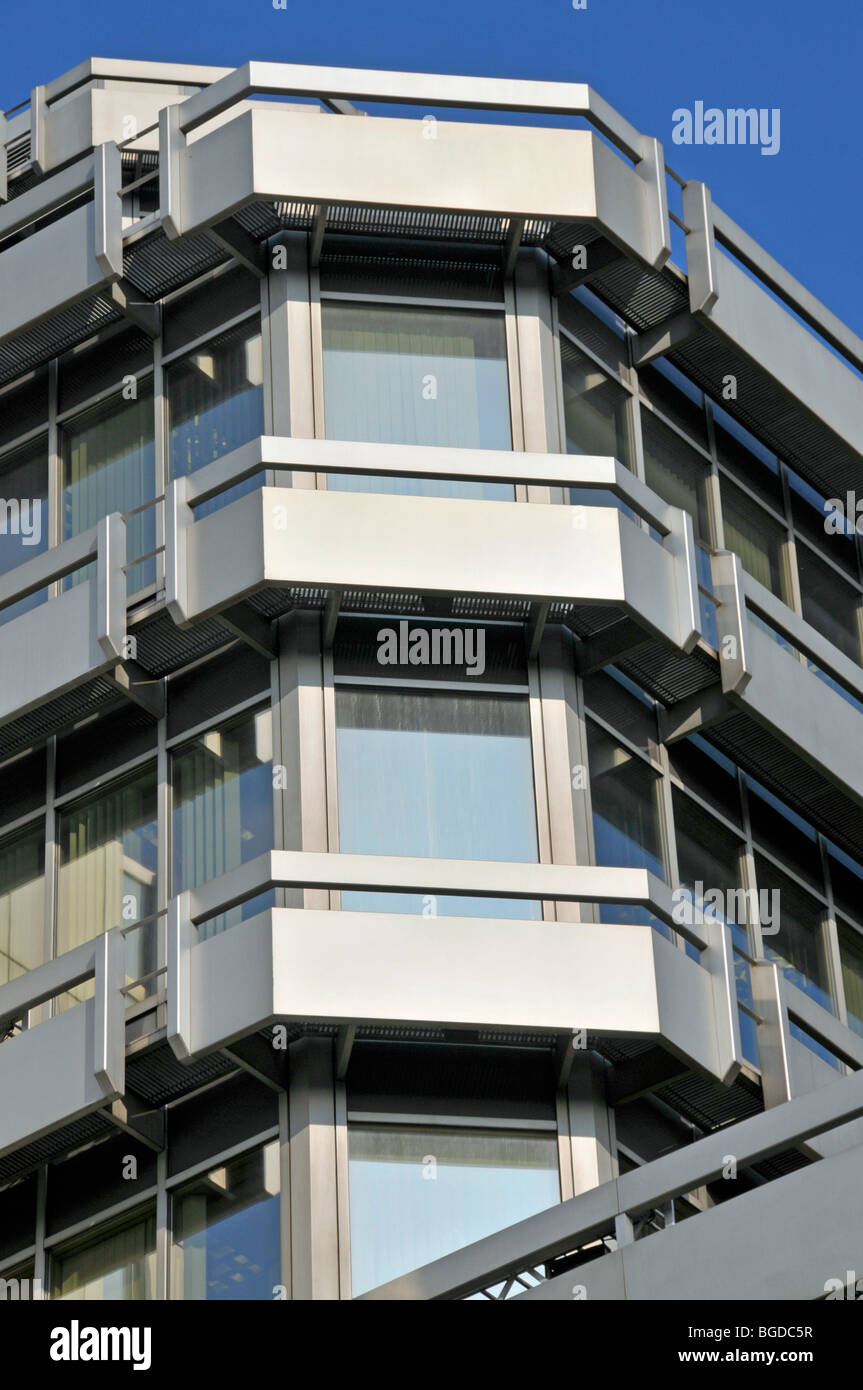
(851, 954)
(778, 829)
(829, 604)
(846, 877)
(594, 407)
(675, 471)
(223, 807)
(107, 877)
(747, 459)
(708, 772)
(626, 825)
(22, 902)
(215, 404)
(812, 515)
(226, 1231)
(23, 515)
(708, 863)
(417, 1194)
(756, 538)
(109, 466)
(595, 413)
(795, 939)
(115, 1264)
(394, 374)
(435, 773)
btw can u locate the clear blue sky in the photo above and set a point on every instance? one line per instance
(647, 57)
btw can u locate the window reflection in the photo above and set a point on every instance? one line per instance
(417, 1194)
(394, 374)
(117, 1264)
(626, 824)
(24, 528)
(215, 404)
(447, 775)
(109, 466)
(107, 872)
(22, 902)
(226, 1231)
(223, 808)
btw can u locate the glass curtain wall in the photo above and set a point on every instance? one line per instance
(226, 1231)
(223, 808)
(394, 374)
(22, 902)
(116, 1265)
(624, 795)
(418, 1193)
(109, 466)
(215, 404)
(440, 774)
(24, 524)
(595, 413)
(107, 874)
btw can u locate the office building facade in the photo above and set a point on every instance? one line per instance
(431, 684)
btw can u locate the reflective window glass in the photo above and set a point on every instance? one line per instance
(116, 1264)
(394, 374)
(226, 1231)
(109, 466)
(417, 1194)
(223, 807)
(443, 774)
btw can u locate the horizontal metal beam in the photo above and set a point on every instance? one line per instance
(429, 461)
(462, 877)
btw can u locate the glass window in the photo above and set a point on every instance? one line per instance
(851, 955)
(436, 773)
(215, 404)
(394, 374)
(708, 772)
(829, 604)
(624, 794)
(108, 871)
(798, 946)
(226, 1231)
(595, 415)
(223, 807)
(417, 1194)
(846, 877)
(115, 1264)
(708, 863)
(22, 902)
(675, 471)
(811, 514)
(775, 827)
(594, 407)
(109, 466)
(23, 516)
(747, 458)
(756, 538)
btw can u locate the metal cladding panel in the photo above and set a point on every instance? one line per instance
(47, 1077)
(49, 650)
(47, 271)
(381, 968)
(786, 1240)
(467, 167)
(231, 984)
(390, 967)
(293, 537)
(803, 711)
(754, 322)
